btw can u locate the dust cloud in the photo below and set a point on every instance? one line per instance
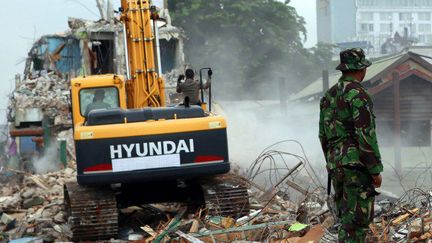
(48, 162)
(255, 125)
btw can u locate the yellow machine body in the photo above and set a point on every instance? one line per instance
(130, 135)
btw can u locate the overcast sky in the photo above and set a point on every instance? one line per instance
(23, 21)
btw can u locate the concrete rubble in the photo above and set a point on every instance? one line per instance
(32, 206)
(286, 205)
(47, 91)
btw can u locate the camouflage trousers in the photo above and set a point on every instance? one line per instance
(354, 197)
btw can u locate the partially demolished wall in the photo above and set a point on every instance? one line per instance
(87, 48)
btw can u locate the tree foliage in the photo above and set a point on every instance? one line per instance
(251, 44)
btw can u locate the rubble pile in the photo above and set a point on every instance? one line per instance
(271, 219)
(32, 205)
(47, 91)
(283, 208)
(407, 219)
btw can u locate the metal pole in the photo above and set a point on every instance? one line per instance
(271, 192)
(210, 97)
(128, 76)
(201, 85)
(157, 47)
(397, 122)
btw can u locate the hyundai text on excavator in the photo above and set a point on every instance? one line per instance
(133, 149)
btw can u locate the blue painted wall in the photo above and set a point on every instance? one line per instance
(70, 55)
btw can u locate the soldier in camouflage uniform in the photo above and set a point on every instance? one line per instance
(349, 143)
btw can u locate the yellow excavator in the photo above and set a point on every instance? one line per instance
(133, 149)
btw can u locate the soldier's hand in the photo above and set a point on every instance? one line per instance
(377, 180)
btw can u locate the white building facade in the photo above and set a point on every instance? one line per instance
(379, 20)
(374, 21)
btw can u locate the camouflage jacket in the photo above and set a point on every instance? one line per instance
(347, 127)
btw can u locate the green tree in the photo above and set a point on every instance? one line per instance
(323, 55)
(249, 43)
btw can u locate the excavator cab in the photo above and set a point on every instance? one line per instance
(96, 92)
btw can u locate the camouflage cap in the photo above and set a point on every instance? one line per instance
(353, 59)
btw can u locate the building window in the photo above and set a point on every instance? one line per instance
(386, 16)
(424, 28)
(364, 27)
(394, 3)
(424, 16)
(386, 28)
(405, 16)
(425, 39)
(366, 16)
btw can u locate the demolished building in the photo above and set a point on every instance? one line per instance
(39, 106)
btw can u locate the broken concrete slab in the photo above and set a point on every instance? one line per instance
(6, 218)
(28, 193)
(31, 202)
(59, 218)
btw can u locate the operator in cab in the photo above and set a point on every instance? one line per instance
(190, 87)
(98, 102)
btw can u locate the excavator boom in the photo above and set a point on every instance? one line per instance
(144, 88)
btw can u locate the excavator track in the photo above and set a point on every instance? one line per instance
(91, 212)
(226, 195)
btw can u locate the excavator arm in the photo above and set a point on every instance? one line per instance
(144, 87)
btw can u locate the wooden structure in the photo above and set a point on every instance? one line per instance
(401, 87)
(402, 95)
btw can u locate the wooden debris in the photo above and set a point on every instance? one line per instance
(405, 216)
(228, 222)
(149, 230)
(194, 227)
(247, 232)
(172, 226)
(314, 235)
(38, 182)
